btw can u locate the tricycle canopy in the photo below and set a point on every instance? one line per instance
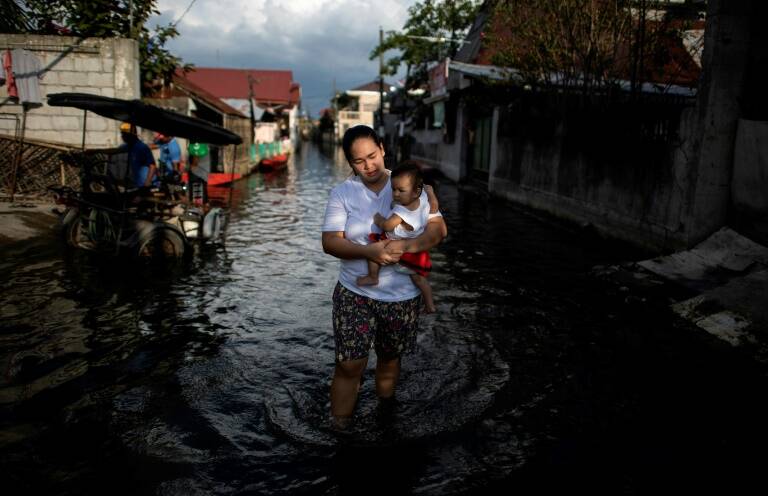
(148, 116)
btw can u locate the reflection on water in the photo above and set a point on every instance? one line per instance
(214, 378)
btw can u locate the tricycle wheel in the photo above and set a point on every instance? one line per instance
(160, 243)
(74, 230)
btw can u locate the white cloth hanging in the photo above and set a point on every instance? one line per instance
(27, 73)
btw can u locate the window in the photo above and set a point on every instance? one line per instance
(438, 114)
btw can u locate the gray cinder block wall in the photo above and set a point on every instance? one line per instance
(106, 67)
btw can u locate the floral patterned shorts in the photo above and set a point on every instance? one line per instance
(360, 323)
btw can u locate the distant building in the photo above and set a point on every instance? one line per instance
(274, 94)
(359, 106)
(185, 97)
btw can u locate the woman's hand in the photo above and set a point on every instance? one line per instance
(378, 219)
(395, 248)
(384, 252)
(432, 236)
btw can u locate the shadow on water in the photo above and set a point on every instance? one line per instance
(213, 377)
(79, 329)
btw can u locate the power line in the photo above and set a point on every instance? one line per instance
(184, 13)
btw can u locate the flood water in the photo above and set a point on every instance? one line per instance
(534, 376)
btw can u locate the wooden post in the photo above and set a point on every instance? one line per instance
(85, 126)
(232, 180)
(19, 152)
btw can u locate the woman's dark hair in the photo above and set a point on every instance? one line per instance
(355, 133)
(410, 168)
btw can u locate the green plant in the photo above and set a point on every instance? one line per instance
(429, 35)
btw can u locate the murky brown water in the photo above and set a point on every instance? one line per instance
(214, 378)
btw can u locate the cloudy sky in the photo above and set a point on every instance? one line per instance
(318, 40)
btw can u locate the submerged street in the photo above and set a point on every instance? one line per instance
(535, 375)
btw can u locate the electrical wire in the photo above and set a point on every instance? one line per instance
(183, 13)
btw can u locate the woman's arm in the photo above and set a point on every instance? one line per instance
(434, 206)
(334, 243)
(433, 234)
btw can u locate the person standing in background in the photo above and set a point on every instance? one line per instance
(141, 162)
(197, 174)
(170, 166)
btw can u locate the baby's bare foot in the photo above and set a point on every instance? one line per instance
(367, 281)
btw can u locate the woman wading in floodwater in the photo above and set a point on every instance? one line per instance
(385, 315)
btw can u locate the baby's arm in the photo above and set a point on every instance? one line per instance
(387, 224)
(432, 199)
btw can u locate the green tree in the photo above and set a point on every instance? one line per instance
(429, 35)
(14, 18)
(97, 18)
(157, 63)
(111, 18)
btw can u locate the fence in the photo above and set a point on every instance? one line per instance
(30, 167)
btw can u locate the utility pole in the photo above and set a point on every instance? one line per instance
(381, 83)
(253, 150)
(130, 19)
(335, 113)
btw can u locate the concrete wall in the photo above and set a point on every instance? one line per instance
(625, 186)
(350, 118)
(429, 146)
(724, 66)
(106, 67)
(367, 101)
(749, 186)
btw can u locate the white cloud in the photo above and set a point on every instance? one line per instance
(318, 39)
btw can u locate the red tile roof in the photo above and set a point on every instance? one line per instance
(269, 86)
(372, 86)
(295, 93)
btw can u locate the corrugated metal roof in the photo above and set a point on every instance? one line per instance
(187, 86)
(486, 71)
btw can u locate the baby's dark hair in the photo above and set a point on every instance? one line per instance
(410, 168)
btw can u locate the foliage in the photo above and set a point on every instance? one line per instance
(14, 18)
(97, 18)
(586, 44)
(111, 18)
(326, 122)
(157, 63)
(434, 19)
(345, 102)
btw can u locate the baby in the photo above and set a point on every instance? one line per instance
(412, 202)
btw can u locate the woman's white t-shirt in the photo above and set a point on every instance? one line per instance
(351, 207)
